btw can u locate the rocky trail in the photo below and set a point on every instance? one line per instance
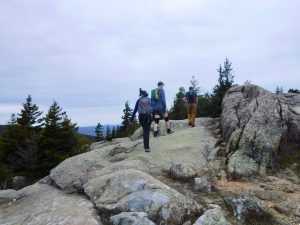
(189, 177)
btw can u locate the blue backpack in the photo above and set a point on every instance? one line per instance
(144, 106)
(191, 97)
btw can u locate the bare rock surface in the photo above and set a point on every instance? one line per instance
(212, 217)
(182, 172)
(136, 191)
(44, 204)
(121, 184)
(9, 195)
(131, 219)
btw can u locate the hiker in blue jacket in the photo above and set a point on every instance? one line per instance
(144, 108)
(160, 109)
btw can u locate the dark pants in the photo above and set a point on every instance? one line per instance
(146, 120)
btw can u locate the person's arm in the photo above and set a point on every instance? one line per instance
(163, 99)
(135, 110)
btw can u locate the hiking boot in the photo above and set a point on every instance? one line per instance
(193, 125)
(147, 150)
(190, 124)
(169, 131)
(155, 134)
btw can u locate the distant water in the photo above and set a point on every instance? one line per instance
(90, 130)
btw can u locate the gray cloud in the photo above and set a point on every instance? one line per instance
(91, 56)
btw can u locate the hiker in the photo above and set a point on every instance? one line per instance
(143, 107)
(159, 105)
(192, 100)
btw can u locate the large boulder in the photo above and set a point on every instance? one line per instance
(291, 108)
(135, 191)
(254, 123)
(44, 204)
(131, 218)
(71, 174)
(212, 217)
(182, 172)
(247, 208)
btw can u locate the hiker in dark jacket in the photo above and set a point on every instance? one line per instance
(160, 109)
(192, 100)
(144, 108)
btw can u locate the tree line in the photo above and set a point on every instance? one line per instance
(209, 104)
(125, 130)
(31, 145)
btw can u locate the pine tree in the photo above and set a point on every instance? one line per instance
(113, 133)
(9, 143)
(99, 132)
(126, 116)
(204, 108)
(58, 138)
(279, 90)
(225, 82)
(30, 114)
(127, 128)
(21, 139)
(195, 85)
(296, 91)
(178, 110)
(108, 133)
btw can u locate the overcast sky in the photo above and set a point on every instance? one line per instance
(93, 55)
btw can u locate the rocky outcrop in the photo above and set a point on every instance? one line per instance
(131, 219)
(118, 183)
(44, 204)
(135, 191)
(212, 217)
(182, 172)
(248, 207)
(254, 124)
(9, 195)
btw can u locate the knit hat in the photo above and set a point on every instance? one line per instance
(160, 83)
(144, 93)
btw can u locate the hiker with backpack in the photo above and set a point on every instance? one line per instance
(144, 108)
(159, 105)
(192, 100)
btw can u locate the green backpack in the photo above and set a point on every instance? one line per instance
(154, 95)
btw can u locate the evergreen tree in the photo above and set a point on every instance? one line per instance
(8, 146)
(126, 116)
(21, 139)
(113, 133)
(225, 82)
(195, 85)
(108, 133)
(296, 91)
(178, 110)
(279, 90)
(58, 138)
(30, 114)
(127, 128)
(99, 132)
(118, 132)
(204, 108)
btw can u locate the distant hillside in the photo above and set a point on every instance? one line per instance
(90, 130)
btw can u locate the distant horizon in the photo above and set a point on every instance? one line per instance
(92, 56)
(104, 123)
